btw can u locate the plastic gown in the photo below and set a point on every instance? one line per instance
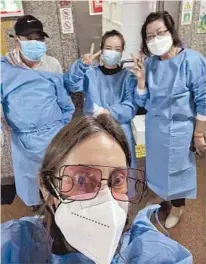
(36, 106)
(26, 241)
(113, 92)
(176, 93)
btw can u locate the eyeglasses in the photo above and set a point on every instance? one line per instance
(159, 34)
(83, 182)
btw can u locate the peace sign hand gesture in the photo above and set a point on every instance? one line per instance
(90, 57)
(138, 68)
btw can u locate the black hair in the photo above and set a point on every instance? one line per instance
(169, 23)
(112, 33)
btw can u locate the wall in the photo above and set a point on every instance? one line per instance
(88, 28)
(189, 32)
(128, 18)
(173, 7)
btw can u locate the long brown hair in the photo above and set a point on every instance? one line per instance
(75, 132)
(69, 137)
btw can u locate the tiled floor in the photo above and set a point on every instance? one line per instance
(190, 231)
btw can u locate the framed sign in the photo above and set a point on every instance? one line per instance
(66, 20)
(187, 9)
(202, 18)
(11, 8)
(95, 7)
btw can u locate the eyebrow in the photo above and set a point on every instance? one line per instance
(156, 30)
(96, 166)
(109, 46)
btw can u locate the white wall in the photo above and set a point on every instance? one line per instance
(127, 17)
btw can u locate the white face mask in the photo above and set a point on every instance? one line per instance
(93, 227)
(160, 46)
(111, 57)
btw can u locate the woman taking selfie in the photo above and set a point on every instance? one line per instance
(87, 205)
(108, 88)
(171, 86)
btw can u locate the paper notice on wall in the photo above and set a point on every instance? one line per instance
(187, 8)
(140, 151)
(202, 17)
(66, 20)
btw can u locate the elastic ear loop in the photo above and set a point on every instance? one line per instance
(49, 184)
(45, 205)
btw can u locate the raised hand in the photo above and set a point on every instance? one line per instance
(90, 57)
(138, 68)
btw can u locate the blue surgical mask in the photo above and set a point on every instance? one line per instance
(33, 50)
(111, 57)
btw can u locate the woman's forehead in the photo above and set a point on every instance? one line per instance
(113, 41)
(155, 26)
(98, 149)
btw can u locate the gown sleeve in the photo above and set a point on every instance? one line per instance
(74, 77)
(24, 241)
(64, 100)
(141, 96)
(197, 83)
(125, 111)
(144, 244)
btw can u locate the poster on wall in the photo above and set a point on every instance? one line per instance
(202, 18)
(66, 20)
(187, 8)
(95, 7)
(11, 8)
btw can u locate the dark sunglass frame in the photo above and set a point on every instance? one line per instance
(57, 187)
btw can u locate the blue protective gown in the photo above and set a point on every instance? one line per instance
(26, 241)
(113, 92)
(36, 106)
(176, 92)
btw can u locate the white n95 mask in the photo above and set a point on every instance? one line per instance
(111, 57)
(93, 227)
(160, 46)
